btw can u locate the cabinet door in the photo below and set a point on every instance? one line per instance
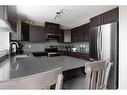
(37, 33)
(12, 16)
(25, 31)
(73, 35)
(105, 18)
(33, 33)
(95, 21)
(86, 32)
(52, 28)
(61, 32)
(111, 16)
(81, 33)
(78, 35)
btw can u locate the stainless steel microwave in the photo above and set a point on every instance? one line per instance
(54, 37)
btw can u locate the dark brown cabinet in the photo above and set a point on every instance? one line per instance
(81, 33)
(37, 33)
(95, 21)
(32, 33)
(79, 55)
(111, 16)
(61, 32)
(24, 31)
(73, 35)
(105, 18)
(52, 28)
(12, 16)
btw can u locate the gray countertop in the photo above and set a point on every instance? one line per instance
(33, 65)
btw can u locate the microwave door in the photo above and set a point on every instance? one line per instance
(53, 37)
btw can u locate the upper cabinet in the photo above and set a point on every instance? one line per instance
(111, 16)
(105, 18)
(95, 21)
(12, 16)
(37, 34)
(32, 33)
(24, 31)
(52, 28)
(80, 34)
(61, 32)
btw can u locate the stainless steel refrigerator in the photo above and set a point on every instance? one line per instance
(104, 45)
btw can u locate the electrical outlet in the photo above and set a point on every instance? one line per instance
(29, 46)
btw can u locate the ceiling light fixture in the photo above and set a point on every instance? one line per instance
(28, 22)
(59, 14)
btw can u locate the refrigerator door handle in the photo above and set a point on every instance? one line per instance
(98, 43)
(100, 50)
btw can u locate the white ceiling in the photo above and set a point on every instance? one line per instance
(73, 15)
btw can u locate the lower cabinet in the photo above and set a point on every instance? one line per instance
(79, 55)
(73, 73)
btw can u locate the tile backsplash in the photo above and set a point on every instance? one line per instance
(39, 47)
(81, 46)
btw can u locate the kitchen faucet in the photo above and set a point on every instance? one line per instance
(14, 45)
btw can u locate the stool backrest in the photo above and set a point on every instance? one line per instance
(97, 74)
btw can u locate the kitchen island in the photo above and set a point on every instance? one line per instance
(33, 65)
